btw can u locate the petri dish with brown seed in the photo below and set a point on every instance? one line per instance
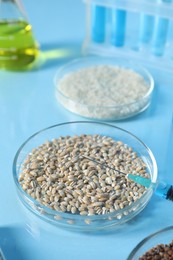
(158, 245)
(56, 181)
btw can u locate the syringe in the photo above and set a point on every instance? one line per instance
(162, 189)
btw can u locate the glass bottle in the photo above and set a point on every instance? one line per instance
(18, 47)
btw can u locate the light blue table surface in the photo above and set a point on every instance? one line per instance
(28, 104)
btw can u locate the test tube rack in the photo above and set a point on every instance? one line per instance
(137, 30)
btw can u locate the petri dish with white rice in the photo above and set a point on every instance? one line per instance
(104, 88)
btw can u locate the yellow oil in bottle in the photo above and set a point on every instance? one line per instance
(18, 47)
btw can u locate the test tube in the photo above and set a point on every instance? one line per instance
(98, 23)
(118, 27)
(146, 28)
(160, 34)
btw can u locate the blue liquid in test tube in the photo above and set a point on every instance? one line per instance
(118, 27)
(160, 34)
(146, 28)
(98, 21)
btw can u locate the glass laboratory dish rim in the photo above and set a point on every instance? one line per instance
(162, 236)
(113, 112)
(66, 219)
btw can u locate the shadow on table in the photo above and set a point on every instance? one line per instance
(10, 243)
(53, 54)
(142, 220)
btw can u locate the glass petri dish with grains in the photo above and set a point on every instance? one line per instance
(158, 245)
(104, 88)
(75, 175)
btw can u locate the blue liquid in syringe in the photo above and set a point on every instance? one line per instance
(162, 189)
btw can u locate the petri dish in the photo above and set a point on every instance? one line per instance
(163, 236)
(77, 221)
(104, 88)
